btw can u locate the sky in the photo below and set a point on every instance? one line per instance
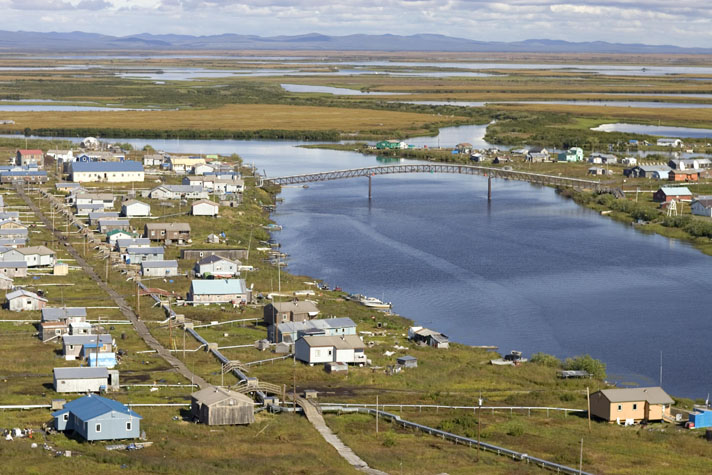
(683, 22)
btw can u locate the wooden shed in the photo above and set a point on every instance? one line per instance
(219, 406)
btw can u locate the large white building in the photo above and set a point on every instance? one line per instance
(111, 172)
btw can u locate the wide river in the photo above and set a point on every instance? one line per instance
(529, 271)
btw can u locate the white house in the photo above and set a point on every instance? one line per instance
(702, 206)
(134, 208)
(205, 292)
(629, 161)
(38, 256)
(159, 268)
(111, 224)
(153, 160)
(83, 380)
(124, 243)
(330, 349)
(669, 143)
(204, 208)
(178, 192)
(217, 185)
(136, 255)
(217, 267)
(95, 216)
(106, 200)
(183, 164)
(21, 300)
(112, 237)
(111, 172)
(202, 169)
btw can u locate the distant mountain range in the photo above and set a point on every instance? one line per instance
(80, 41)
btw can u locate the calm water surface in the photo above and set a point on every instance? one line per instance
(529, 271)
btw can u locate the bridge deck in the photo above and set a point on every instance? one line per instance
(576, 183)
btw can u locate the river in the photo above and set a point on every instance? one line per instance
(529, 271)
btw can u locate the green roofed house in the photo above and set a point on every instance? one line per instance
(391, 145)
(206, 292)
(574, 154)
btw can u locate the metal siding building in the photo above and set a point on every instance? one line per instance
(112, 172)
(159, 269)
(81, 380)
(205, 292)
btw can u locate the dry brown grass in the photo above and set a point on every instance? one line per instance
(233, 117)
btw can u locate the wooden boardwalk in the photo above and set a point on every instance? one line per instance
(125, 308)
(315, 417)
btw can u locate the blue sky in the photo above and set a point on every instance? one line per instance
(684, 23)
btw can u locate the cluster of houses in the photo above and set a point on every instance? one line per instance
(677, 170)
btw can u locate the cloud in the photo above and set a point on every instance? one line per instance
(684, 22)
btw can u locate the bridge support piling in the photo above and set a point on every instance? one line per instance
(489, 188)
(369, 186)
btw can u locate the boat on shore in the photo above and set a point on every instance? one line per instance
(371, 302)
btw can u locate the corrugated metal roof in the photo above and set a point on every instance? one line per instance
(675, 190)
(23, 293)
(654, 395)
(18, 264)
(81, 373)
(49, 313)
(300, 306)
(338, 342)
(145, 250)
(218, 287)
(103, 167)
(91, 406)
(159, 264)
(104, 339)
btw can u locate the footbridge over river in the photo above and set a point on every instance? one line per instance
(490, 172)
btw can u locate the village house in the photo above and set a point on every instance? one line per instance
(135, 208)
(182, 164)
(684, 175)
(202, 169)
(152, 160)
(204, 208)
(136, 255)
(631, 404)
(655, 172)
(702, 206)
(603, 159)
(216, 406)
(74, 346)
(197, 254)
(110, 172)
(690, 163)
(330, 349)
(86, 210)
(123, 243)
(664, 142)
(52, 330)
(21, 300)
(629, 161)
(206, 292)
(84, 379)
(289, 332)
(64, 314)
(110, 224)
(112, 237)
(275, 313)
(537, 155)
(668, 193)
(23, 176)
(67, 186)
(95, 216)
(428, 337)
(38, 256)
(97, 418)
(13, 269)
(463, 147)
(216, 267)
(106, 200)
(20, 233)
(178, 192)
(574, 154)
(159, 268)
(11, 224)
(216, 185)
(597, 171)
(11, 254)
(60, 156)
(167, 232)
(391, 145)
(80, 328)
(30, 158)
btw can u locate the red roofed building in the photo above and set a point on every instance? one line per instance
(30, 157)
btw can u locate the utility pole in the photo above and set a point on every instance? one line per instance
(581, 458)
(138, 302)
(479, 417)
(294, 382)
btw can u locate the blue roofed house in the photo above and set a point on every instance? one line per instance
(136, 255)
(98, 418)
(111, 172)
(206, 292)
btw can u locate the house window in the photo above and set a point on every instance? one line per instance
(97, 428)
(635, 406)
(66, 415)
(620, 407)
(128, 426)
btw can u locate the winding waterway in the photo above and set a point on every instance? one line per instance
(530, 271)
